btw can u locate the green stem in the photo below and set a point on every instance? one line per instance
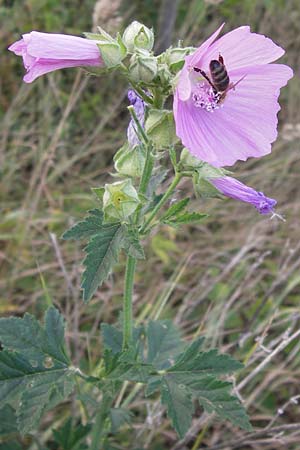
(147, 171)
(127, 301)
(141, 93)
(139, 126)
(162, 201)
(101, 426)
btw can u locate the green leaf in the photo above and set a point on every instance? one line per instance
(175, 209)
(179, 405)
(194, 376)
(132, 245)
(118, 418)
(164, 343)
(11, 445)
(8, 421)
(34, 368)
(205, 363)
(135, 371)
(35, 343)
(88, 227)
(102, 253)
(70, 436)
(185, 218)
(112, 337)
(44, 390)
(214, 395)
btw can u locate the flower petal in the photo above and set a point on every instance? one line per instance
(184, 86)
(42, 66)
(244, 127)
(18, 47)
(192, 59)
(235, 189)
(60, 46)
(241, 48)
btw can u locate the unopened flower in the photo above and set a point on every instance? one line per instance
(230, 187)
(225, 102)
(46, 52)
(139, 108)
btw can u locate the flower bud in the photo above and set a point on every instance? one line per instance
(203, 188)
(188, 161)
(120, 200)
(113, 51)
(138, 37)
(160, 128)
(175, 57)
(143, 67)
(130, 162)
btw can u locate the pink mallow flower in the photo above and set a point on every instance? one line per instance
(45, 52)
(235, 189)
(222, 127)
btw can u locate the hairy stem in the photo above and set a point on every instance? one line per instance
(162, 201)
(127, 301)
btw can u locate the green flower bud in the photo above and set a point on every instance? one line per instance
(143, 67)
(175, 57)
(203, 188)
(138, 37)
(160, 127)
(130, 162)
(164, 74)
(113, 51)
(188, 161)
(120, 200)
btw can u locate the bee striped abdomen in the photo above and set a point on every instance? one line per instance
(219, 75)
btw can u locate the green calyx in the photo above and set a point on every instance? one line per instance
(130, 162)
(138, 37)
(160, 128)
(120, 200)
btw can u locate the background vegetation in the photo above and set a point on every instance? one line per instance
(234, 278)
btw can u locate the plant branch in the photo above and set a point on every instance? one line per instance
(161, 203)
(127, 301)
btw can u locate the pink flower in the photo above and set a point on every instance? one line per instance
(235, 189)
(45, 52)
(222, 128)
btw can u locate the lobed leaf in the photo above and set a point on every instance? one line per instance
(164, 343)
(102, 253)
(86, 228)
(175, 209)
(132, 245)
(8, 420)
(178, 401)
(185, 218)
(34, 367)
(70, 436)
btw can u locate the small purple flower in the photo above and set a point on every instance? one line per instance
(235, 189)
(139, 108)
(46, 52)
(221, 127)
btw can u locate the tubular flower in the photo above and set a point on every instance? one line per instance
(139, 108)
(46, 52)
(226, 99)
(233, 188)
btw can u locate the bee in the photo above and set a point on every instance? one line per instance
(220, 81)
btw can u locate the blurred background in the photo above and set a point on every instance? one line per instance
(234, 278)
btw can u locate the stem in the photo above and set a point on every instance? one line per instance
(101, 426)
(139, 126)
(141, 93)
(162, 201)
(147, 171)
(127, 301)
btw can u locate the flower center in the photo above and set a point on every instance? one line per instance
(205, 97)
